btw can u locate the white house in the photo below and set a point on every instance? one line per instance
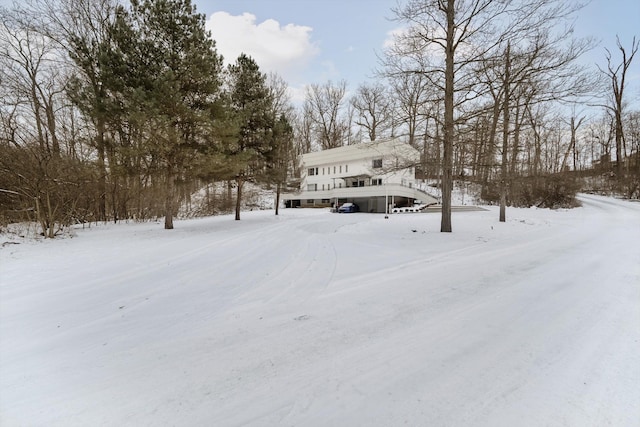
(373, 175)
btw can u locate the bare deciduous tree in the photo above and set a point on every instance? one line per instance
(30, 68)
(325, 107)
(373, 108)
(282, 159)
(33, 98)
(456, 34)
(616, 74)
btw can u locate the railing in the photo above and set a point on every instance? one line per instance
(367, 191)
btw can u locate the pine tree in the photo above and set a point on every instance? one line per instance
(177, 73)
(279, 160)
(249, 100)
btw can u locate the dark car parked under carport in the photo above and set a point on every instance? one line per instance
(348, 208)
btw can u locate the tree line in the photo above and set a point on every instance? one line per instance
(113, 112)
(492, 92)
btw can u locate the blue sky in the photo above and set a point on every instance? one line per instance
(338, 39)
(312, 41)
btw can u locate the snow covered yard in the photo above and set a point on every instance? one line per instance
(320, 319)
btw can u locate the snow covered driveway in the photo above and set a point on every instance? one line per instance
(319, 319)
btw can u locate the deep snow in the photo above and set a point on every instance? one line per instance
(319, 319)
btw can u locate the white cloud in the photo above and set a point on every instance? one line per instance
(285, 50)
(392, 36)
(403, 39)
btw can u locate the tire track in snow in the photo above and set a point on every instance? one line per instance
(482, 357)
(307, 272)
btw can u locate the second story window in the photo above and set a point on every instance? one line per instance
(377, 163)
(313, 171)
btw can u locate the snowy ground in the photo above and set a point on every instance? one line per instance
(320, 319)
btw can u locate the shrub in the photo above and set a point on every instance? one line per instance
(552, 191)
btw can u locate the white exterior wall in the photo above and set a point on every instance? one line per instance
(335, 173)
(337, 168)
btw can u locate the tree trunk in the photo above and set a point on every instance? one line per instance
(168, 200)
(227, 202)
(102, 170)
(240, 183)
(619, 137)
(515, 146)
(36, 109)
(478, 147)
(278, 189)
(51, 217)
(573, 143)
(447, 155)
(489, 155)
(505, 138)
(40, 217)
(51, 125)
(537, 148)
(437, 167)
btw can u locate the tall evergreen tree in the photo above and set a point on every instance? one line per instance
(250, 106)
(178, 72)
(280, 157)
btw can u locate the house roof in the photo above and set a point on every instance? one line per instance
(394, 148)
